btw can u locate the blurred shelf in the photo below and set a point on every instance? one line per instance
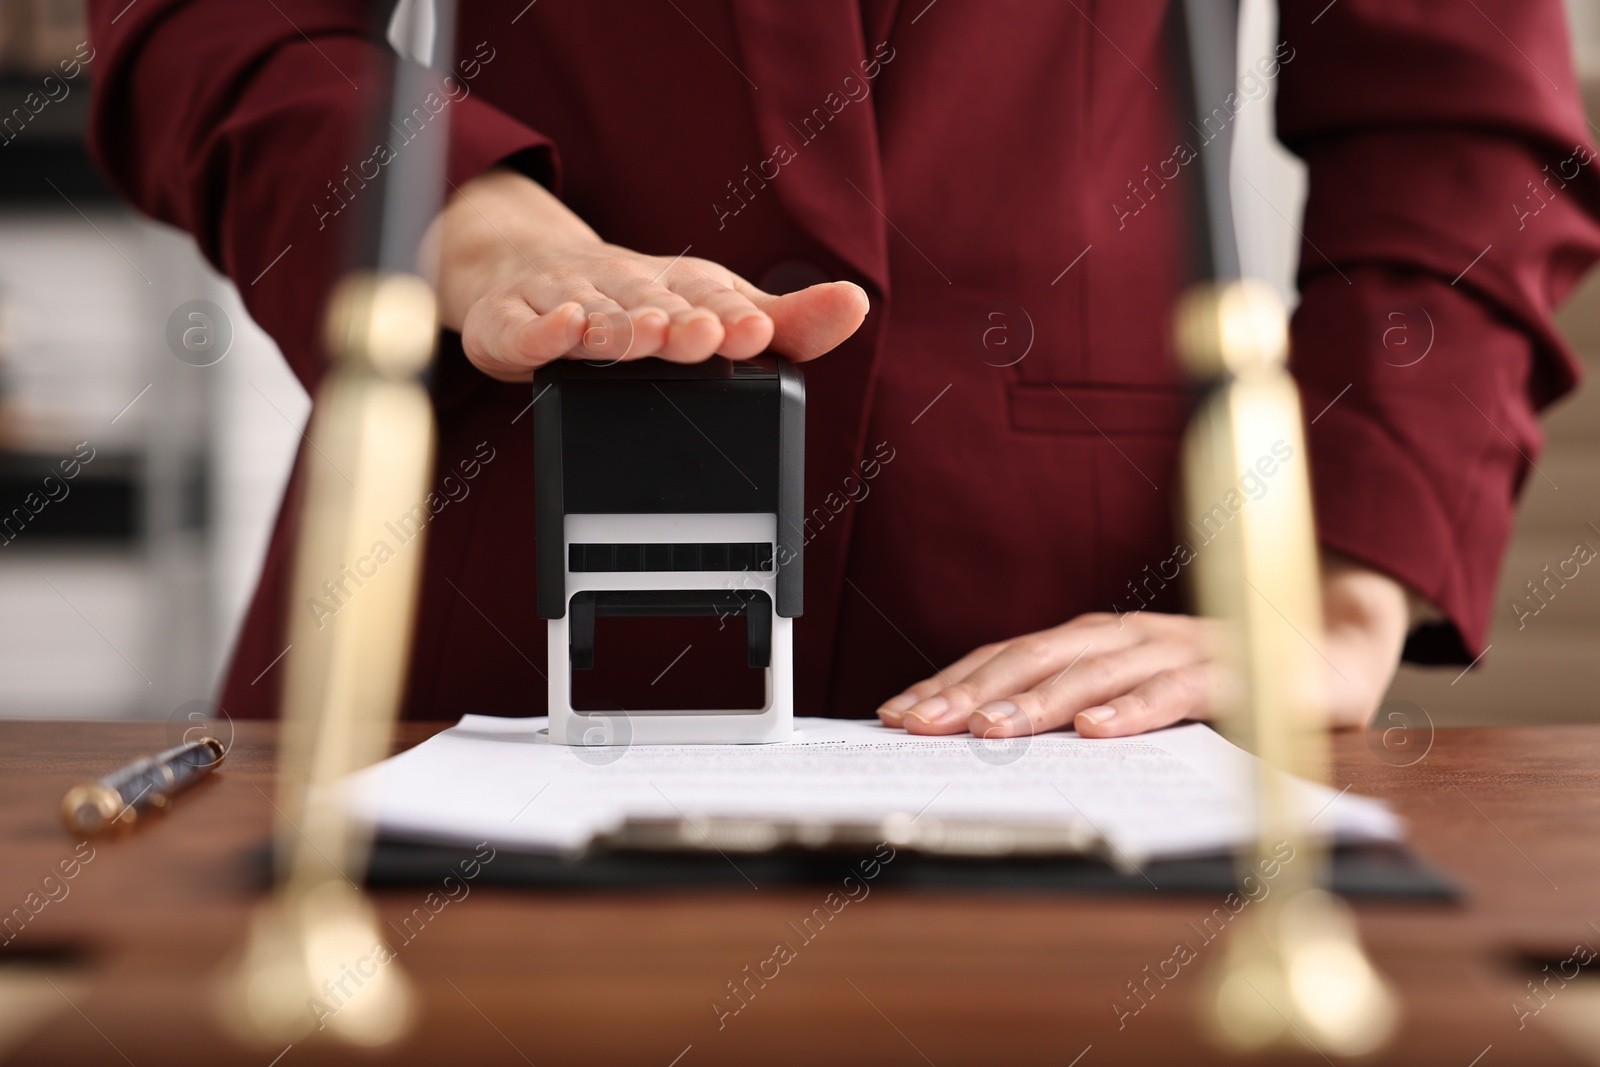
(103, 504)
(32, 169)
(50, 149)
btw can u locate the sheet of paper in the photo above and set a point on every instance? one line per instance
(1180, 791)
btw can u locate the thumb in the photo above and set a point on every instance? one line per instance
(810, 321)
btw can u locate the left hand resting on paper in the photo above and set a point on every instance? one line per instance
(1111, 676)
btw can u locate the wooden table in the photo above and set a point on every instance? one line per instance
(122, 968)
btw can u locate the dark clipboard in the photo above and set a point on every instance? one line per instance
(1385, 872)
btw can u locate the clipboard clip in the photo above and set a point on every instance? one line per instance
(963, 838)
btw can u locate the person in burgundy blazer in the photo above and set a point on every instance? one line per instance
(976, 211)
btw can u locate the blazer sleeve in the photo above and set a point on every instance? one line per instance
(1452, 203)
(240, 123)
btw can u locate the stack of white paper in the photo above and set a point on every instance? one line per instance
(1180, 791)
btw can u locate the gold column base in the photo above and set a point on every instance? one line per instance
(1295, 974)
(316, 966)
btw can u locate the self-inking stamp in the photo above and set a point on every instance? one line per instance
(664, 489)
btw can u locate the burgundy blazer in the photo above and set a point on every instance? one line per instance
(994, 451)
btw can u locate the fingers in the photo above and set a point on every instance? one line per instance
(1042, 659)
(615, 305)
(1024, 691)
(893, 711)
(700, 320)
(1108, 675)
(506, 339)
(1191, 692)
(605, 303)
(1093, 683)
(683, 310)
(746, 330)
(706, 316)
(639, 293)
(510, 254)
(613, 333)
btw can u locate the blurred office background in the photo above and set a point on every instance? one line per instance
(122, 595)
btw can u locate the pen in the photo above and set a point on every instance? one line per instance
(119, 797)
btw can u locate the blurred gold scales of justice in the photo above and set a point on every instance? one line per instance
(1294, 973)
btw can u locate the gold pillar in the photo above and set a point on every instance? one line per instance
(316, 961)
(1294, 971)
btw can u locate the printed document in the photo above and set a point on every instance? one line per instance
(1175, 792)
